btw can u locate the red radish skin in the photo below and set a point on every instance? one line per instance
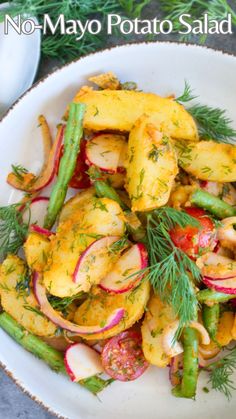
(133, 260)
(55, 317)
(37, 211)
(43, 231)
(99, 152)
(81, 274)
(82, 362)
(226, 286)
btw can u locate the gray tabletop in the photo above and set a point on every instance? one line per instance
(13, 403)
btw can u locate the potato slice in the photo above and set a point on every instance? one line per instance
(208, 160)
(224, 333)
(233, 331)
(36, 250)
(20, 304)
(100, 217)
(101, 304)
(119, 109)
(106, 81)
(76, 204)
(152, 166)
(158, 316)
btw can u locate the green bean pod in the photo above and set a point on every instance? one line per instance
(188, 385)
(42, 350)
(103, 190)
(211, 203)
(210, 317)
(210, 297)
(73, 135)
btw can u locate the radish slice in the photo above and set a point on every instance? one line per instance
(94, 262)
(106, 151)
(55, 317)
(37, 211)
(215, 266)
(122, 277)
(227, 286)
(36, 229)
(47, 174)
(82, 362)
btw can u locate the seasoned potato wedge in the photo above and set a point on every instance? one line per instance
(101, 216)
(101, 304)
(233, 331)
(106, 81)
(20, 304)
(152, 166)
(208, 160)
(224, 334)
(119, 109)
(157, 317)
(76, 204)
(36, 249)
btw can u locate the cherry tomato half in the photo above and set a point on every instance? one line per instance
(123, 358)
(195, 241)
(80, 178)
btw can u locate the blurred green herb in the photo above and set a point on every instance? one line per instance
(66, 47)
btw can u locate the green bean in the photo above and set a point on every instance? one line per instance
(42, 350)
(104, 190)
(188, 385)
(211, 203)
(210, 297)
(73, 134)
(210, 317)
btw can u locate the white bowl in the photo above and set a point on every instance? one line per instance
(156, 67)
(19, 58)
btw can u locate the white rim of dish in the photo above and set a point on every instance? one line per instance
(31, 79)
(34, 86)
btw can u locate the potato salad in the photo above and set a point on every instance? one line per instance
(120, 256)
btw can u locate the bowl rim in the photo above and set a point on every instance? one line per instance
(127, 44)
(4, 367)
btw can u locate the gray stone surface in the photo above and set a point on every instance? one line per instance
(13, 403)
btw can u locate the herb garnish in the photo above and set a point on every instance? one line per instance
(213, 122)
(171, 271)
(221, 374)
(19, 171)
(61, 304)
(12, 229)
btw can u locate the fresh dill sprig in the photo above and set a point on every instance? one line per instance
(216, 9)
(19, 171)
(171, 271)
(23, 284)
(12, 230)
(62, 304)
(213, 123)
(187, 94)
(221, 374)
(34, 310)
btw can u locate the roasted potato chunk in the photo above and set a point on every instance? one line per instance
(208, 160)
(152, 166)
(101, 217)
(36, 250)
(100, 305)
(119, 109)
(20, 303)
(158, 316)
